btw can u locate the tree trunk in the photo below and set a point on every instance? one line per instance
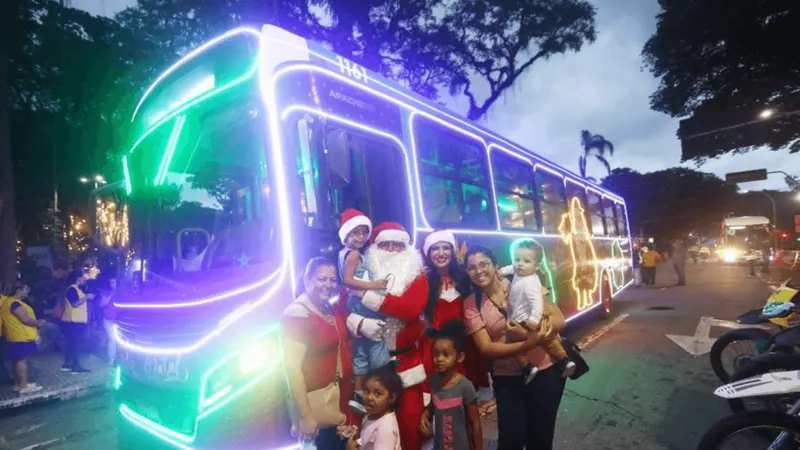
(8, 233)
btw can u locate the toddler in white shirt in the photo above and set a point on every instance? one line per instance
(526, 304)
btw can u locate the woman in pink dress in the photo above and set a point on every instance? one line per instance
(448, 285)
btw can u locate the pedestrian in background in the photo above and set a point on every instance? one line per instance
(74, 321)
(679, 254)
(21, 330)
(650, 260)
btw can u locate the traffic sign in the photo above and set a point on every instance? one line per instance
(746, 176)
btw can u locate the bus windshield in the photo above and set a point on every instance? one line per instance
(200, 208)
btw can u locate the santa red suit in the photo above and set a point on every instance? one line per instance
(450, 307)
(403, 306)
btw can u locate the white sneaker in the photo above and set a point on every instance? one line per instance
(30, 389)
(569, 370)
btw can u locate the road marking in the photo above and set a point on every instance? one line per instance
(701, 342)
(42, 444)
(589, 340)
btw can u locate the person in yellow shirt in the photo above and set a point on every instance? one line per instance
(21, 332)
(650, 259)
(74, 321)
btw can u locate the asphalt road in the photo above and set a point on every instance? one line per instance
(643, 391)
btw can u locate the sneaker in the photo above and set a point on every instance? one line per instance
(569, 370)
(529, 372)
(357, 403)
(66, 368)
(30, 389)
(80, 370)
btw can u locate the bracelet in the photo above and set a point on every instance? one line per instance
(358, 328)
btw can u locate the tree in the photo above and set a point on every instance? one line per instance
(428, 45)
(8, 234)
(724, 62)
(672, 202)
(69, 89)
(597, 144)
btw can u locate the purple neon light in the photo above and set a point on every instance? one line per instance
(188, 57)
(368, 129)
(203, 301)
(450, 116)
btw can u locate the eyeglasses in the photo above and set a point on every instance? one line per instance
(481, 266)
(392, 245)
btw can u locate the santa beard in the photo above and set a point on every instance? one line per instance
(404, 267)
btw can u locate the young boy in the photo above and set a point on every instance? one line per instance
(526, 304)
(367, 354)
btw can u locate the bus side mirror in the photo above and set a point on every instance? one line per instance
(338, 156)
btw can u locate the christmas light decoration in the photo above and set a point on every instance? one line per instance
(585, 275)
(112, 224)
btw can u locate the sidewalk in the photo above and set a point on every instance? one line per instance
(45, 370)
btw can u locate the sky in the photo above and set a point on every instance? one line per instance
(603, 88)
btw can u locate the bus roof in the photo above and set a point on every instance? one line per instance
(330, 60)
(745, 221)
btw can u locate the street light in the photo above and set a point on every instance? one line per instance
(97, 180)
(767, 113)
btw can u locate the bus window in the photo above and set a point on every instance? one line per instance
(454, 178)
(610, 217)
(596, 213)
(622, 220)
(574, 190)
(552, 199)
(516, 196)
(360, 170)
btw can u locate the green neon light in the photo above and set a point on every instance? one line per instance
(206, 406)
(617, 275)
(170, 150)
(544, 266)
(215, 402)
(117, 378)
(163, 433)
(127, 173)
(193, 101)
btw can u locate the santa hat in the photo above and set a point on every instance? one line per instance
(392, 232)
(352, 219)
(438, 236)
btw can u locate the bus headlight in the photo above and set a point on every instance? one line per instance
(236, 373)
(730, 255)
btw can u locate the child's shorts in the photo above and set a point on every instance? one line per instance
(369, 355)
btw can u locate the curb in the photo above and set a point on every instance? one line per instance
(67, 393)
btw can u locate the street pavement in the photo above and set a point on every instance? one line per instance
(643, 391)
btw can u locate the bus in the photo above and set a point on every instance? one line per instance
(733, 245)
(243, 155)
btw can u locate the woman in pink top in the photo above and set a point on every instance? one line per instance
(526, 414)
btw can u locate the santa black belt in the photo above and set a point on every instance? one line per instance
(399, 351)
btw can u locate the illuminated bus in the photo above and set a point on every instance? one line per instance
(733, 245)
(244, 154)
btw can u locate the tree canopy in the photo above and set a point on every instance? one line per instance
(428, 45)
(724, 63)
(672, 202)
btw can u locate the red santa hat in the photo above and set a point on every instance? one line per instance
(438, 236)
(352, 219)
(391, 232)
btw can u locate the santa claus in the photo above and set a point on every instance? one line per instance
(391, 256)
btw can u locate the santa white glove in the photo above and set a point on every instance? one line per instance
(360, 326)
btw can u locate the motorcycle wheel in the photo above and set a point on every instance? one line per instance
(771, 424)
(756, 335)
(771, 362)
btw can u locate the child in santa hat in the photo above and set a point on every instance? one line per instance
(368, 355)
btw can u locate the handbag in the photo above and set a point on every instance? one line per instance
(574, 355)
(324, 402)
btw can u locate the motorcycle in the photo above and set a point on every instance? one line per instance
(780, 430)
(775, 312)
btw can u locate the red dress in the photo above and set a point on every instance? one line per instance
(322, 338)
(450, 307)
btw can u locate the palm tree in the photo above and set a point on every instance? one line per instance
(600, 146)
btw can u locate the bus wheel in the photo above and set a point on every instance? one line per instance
(605, 295)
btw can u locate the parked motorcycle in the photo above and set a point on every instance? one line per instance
(759, 429)
(775, 312)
